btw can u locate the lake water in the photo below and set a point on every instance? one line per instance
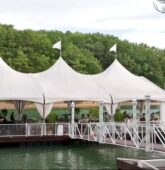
(71, 156)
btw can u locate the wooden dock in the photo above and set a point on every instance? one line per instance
(34, 139)
(127, 165)
(62, 132)
(136, 164)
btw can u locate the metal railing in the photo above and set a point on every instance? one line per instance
(131, 135)
(87, 131)
(34, 129)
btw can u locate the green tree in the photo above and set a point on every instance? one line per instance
(31, 51)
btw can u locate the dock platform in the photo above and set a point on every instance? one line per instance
(135, 164)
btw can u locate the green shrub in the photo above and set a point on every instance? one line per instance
(119, 116)
(77, 110)
(52, 118)
(77, 113)
(94, 113)
(3, 113)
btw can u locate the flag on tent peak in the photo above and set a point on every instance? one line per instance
(113, 48)
(57, 45)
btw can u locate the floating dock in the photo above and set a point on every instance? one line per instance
(135, 164)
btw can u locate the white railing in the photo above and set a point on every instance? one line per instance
(12, 130)
(34, 129)
(131, 135)
(134, 135)
(86, 131)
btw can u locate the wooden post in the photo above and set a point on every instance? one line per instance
(147, 119)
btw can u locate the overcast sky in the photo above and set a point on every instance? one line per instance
(134, 20)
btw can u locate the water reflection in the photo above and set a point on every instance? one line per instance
(77, 156)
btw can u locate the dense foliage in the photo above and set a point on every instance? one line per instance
(31, 51)
(119, 116)
(94, 113)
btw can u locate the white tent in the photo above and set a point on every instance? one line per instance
(62, 83)
(123, 85)
(18, 86)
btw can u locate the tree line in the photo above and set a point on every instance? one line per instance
(31, 51)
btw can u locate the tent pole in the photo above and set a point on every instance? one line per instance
(19, 109)
(72, 118)
(147, 117)
(112, 119)
(162, 111)
(44, 127)
(101, 123)
(134, 110)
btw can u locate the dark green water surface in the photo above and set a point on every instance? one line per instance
(71, 156)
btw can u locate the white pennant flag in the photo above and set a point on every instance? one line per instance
(57, 45)
(113, 48)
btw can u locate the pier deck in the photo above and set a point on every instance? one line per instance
(111, 133)
(32, 139)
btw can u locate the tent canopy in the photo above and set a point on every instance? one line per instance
(61, 83)
(123, 85)
(17, 86)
